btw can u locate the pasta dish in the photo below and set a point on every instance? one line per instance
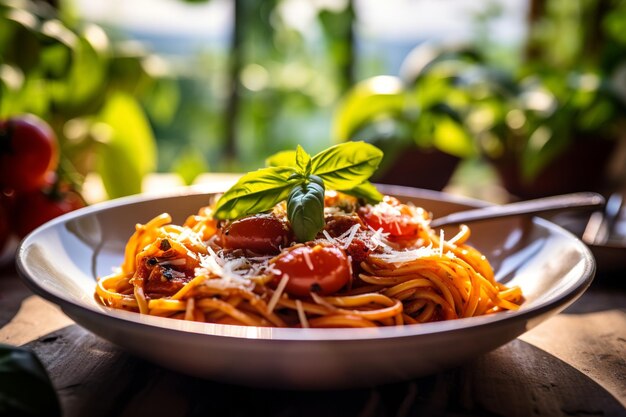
(370, 265)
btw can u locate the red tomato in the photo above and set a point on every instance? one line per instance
(34, 208)
(320, 269)
(28, 150)
(392, 217)
(261, 233)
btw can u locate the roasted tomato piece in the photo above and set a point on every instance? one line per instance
(340, 225)
(166, 272)
(319, 269)
(394, 218)
(262, 233)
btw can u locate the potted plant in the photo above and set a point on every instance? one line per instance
(416, 118)
(559, 133)
(560, 124)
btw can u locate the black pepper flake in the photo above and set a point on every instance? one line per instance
(315, 288)
(167, 273)
(165, 245)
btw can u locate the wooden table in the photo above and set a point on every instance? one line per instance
(572, 365)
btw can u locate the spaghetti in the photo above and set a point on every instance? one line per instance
(371, 265)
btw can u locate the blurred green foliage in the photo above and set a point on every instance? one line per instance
(566, 84)
(274, 86)
(88, 88)
(425, 108)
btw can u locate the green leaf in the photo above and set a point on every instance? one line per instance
(344, 166)
(255, 192)
(25, 389)
(305, 208)
(282, 158)
(303, 161)
(87, 59)
(128, 148)
(451, 138)
(367, 191)
(370, 100)
(542, 147)
(189, 164)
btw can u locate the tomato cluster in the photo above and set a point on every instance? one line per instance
(30, 192)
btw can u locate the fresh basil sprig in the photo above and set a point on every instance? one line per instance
(255, 192)
(302, 179)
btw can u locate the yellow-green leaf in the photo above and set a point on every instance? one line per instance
(128, 149)
(369, 100)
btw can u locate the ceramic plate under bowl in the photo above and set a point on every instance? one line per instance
(61, 260)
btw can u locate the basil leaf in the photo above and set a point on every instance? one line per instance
(282, 159)
(25, 388)
(303, 161)
(367, 191)
(345, 166)
(255, 192)
(305, 208)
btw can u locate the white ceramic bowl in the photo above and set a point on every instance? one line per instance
(61, 260)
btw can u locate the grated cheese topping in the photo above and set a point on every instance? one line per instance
(301, 315)
(225, 273)
(277, 293)
(307, 260)
(379, 239)
(401, 257)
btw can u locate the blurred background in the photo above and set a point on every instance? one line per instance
(497, 99)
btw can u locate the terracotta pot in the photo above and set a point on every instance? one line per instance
(421, 168)
(582, 167)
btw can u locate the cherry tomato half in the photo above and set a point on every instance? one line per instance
(261, 233)
(34, 208)
(320, 269)
(392, 217)
(28, 151)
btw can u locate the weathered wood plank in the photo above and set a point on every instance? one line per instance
(95, 378)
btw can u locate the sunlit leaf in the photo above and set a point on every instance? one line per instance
(89, 60)
(367, 101)
(255, 192)
(346, 165)
(450, 137)
(542, 146)
(162, 100)
(189, 165)
(303, 161)
(367, 191)
(129, 151)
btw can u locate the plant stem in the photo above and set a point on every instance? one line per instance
(536, 12)
(235, 65)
